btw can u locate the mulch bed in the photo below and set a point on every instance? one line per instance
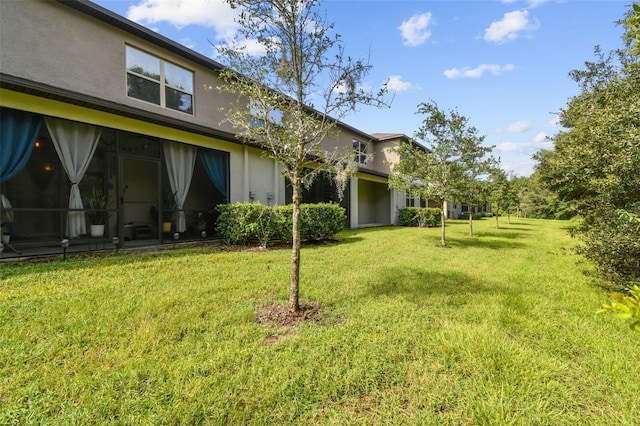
(279, 316)
(285, 322)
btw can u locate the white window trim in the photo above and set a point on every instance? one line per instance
(360, 151)
(162, 83)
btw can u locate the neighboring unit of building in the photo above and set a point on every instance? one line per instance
(93, 104)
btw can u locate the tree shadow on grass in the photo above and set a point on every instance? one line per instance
(422, 286)
(369, 230)
(88, 260)
(138, 257)
(493, 240)
(509, 228)
(142, 255)
(417, 284)
(479, 242)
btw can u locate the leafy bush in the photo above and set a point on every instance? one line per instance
(476, 216)
(240, 223)
(419, 216)
(319, 221)
(612, 241)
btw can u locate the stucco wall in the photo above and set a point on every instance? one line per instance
(383, 152)
(47, 42)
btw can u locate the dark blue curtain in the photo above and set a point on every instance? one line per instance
(215, 163)
(18, 132)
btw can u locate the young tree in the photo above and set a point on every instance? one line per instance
(521, 188)
(302, 64)
(438, 168)
(502, 195)
(474, 187)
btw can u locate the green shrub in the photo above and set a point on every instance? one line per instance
(322, 221)
(476, 216)
(612, 241)
(419, 216)
(240, 223)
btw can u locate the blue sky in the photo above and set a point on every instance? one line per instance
(504, 64)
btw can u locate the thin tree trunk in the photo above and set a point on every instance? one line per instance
(470, 224)
(443, 241)
(497, 217)
(294, 286)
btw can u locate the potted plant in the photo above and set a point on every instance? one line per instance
(168, 212)
(97, 203)
(201, 221)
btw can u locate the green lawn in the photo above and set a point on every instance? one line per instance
(498, 329)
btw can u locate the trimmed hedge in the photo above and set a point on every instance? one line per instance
(419, 216)
(476, 216)
(240, 223)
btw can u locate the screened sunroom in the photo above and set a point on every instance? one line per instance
(65, 182)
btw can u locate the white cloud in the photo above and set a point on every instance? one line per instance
(535, 3)
(478, 71)
(518, 166)
(554, 122)
(510, 27)
(531, 3)
(517, 156)
(252, 47)
(416, 31)
(540, 137)
(516, 127)
(395, 84)
(180, 13)
(510, 147)
(540, 141)
(543, 141)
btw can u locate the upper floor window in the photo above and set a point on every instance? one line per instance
(360, 151)
(154, 80)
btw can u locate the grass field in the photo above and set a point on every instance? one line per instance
(498, 329)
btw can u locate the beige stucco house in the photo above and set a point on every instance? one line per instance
(93, 103)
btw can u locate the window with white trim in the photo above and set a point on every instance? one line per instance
(159, 82)
(360, 151)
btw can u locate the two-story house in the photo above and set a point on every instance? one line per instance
(95, 107)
